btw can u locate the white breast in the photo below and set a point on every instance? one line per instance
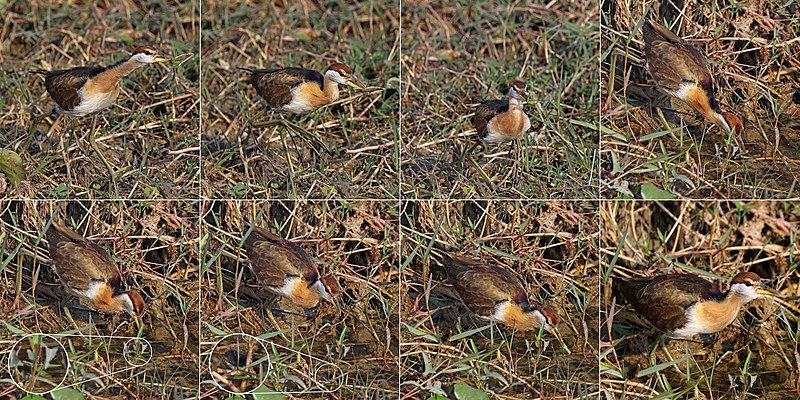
(92, 103)
(297, 105)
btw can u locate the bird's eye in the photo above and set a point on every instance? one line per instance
(748, 283)
(148, 52)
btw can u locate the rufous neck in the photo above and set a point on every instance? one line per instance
(331, 89)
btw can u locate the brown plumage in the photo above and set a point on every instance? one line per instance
(683, 305)
(501, 121)
(287, 270)
(299, 90)
(494, 293)
(85, 90)
(87, 271)
(681, 71)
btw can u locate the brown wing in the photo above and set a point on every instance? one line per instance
(664, 299)
(273, 259)
(79, 262)
(482, 286)
(670, 60)
(486, 111)
(63, 85)
(275, 85)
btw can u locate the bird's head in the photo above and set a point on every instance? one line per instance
(132, 303)
(147, 55)
(342, 74)
(548, 319)
(518, 89)
(328, 287)
(750, 286)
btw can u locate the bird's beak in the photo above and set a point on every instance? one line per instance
(555, 332)
(355, 84)
(160, 58)
(768, 291)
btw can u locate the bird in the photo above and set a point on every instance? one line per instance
(682, 72)
(83, 91)
(501, 121)
(684, 305)
(300, 90)
(493, 293)
(88, 272)
(286, 270)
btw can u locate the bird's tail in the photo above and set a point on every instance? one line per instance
(40, 72)
(250, 70)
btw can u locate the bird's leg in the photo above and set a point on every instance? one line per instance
(288, 162)
(306, 135)
(468, 150)
(651, 356)
(485, 177)
(100, 154)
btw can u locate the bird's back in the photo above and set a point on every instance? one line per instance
(485, 112)
(275, 85)
(663, 299)
(483, 286)
(78, 262)
(273, 259)
(671, 61)
(64, 85)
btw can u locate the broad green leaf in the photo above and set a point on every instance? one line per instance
(467, 392)
(652, 192)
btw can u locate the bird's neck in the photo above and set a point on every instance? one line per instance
(111, 76)
(107, 302)
(720, 313)
(514, 103)
(330, 89)
(124, 68)
(513, 315)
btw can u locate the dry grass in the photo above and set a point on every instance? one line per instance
(155, 246)
(551, 246)
(754, 358)
(753, 53)
(353, 240)
(361, 129)
(152, 130)
(459, 52)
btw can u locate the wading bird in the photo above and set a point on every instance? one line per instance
(286, 270)
(500, 121)
(89, 273)
(682, 72)
(300, 91)
(85, 91)
(683, 305)
(495, 294)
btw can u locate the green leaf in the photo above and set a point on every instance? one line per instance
(35, 397)
(265, 393)
(467, 392)
(66, 394)
(11, 164)
(659, 367)
(437, 397)
(652, 192)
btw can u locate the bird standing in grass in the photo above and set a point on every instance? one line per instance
(287, 270)
(682, 72)
(495, 294)
(500, 121)
(683, 305)
(89, 273)
(85, 91)
(299, 90)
